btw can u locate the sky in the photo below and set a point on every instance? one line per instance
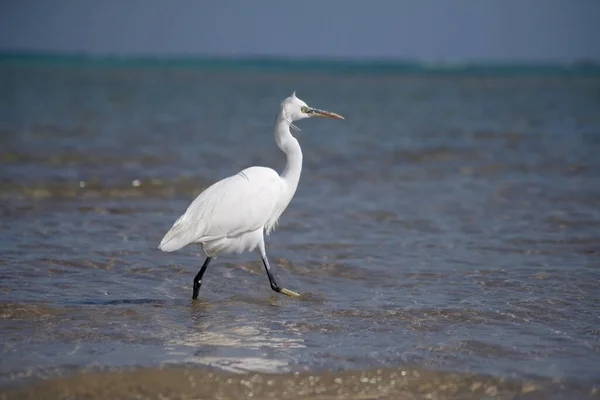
(426, 30)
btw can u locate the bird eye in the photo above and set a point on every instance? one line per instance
(304, 109)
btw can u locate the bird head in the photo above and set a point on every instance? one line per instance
(295, 109)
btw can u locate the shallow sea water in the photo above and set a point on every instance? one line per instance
(445, 237)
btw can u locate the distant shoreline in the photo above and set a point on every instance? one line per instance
(306, 64)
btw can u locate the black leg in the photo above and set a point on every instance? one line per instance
(198, 278)
(273, 282)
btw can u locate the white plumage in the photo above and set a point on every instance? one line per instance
(221, 217)
(232, 215)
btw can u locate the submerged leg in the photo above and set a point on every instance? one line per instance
(272, 281)
(198, 278)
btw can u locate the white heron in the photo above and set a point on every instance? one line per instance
(234, 214)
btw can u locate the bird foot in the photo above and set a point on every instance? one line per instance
(288, 292)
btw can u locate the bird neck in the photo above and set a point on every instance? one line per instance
(290, 146)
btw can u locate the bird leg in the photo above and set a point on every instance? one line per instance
(198, 278)
(273, 282)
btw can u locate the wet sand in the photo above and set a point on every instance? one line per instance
(398, 383)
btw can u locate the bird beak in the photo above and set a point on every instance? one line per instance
(325, 114)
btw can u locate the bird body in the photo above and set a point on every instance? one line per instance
(226, 217)
(233, 214)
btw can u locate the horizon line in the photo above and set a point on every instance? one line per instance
(267, 56)
(349, 64)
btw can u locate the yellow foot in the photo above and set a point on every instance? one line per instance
(289, 293)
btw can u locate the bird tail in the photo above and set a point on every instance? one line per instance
(169, 245)
(177, 237)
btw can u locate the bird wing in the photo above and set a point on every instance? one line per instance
(235, 205)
